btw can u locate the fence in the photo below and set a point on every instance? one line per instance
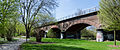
(80, 12)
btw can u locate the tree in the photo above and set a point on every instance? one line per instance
(8, 14)
(10, 28)
(54, 33)
(30, 8)
(39, 34)
(20, 29)
(109, 15)
(43, 20)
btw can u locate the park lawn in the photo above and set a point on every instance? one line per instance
(68, 44)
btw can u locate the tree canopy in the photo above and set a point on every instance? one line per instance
(8, 17)
(109, 15)
(30, 8)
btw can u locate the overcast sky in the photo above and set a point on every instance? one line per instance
(68, 7)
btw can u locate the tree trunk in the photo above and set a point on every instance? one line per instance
(38, 39)
(9, 38)
(114, 37)
(2, 36)
(27, 34)
(9, 35)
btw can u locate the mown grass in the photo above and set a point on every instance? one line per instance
(68, 44)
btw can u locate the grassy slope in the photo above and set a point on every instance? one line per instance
(69, 44)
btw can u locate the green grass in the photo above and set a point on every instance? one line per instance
(68, 44)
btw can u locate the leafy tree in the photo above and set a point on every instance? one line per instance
(30, 8)
(109, 15)
(8, 15)
(10, 28)
(44, 19)
(20, 29)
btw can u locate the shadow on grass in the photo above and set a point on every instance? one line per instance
(49, 47)
(5, 41)
(2, 42)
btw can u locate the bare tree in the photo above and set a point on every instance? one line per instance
(30, 8)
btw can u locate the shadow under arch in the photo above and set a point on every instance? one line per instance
(84, 21)
(56, 31)
(77, 27)
(75, 30)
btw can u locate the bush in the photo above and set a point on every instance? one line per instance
(53, 33)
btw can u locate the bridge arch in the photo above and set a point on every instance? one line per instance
(77, 27)
(54, 32)
(84, 22)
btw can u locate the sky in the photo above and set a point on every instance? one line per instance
(68, 7)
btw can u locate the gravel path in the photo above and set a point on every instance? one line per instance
(12, 45)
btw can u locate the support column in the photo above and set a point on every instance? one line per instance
(99, 36)
(61, 36)
(45, 35)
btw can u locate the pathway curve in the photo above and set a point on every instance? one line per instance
(12, 45)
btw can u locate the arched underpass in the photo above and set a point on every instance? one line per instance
(54, 33)
(75, 30)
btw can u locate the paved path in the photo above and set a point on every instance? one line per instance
(12, 45)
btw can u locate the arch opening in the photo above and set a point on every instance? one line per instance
(74, 31)
(54, 33)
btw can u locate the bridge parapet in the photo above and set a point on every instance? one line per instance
(80, 12)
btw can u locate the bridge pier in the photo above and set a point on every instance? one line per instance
(99, 36)
(61, 35)
(45, 34)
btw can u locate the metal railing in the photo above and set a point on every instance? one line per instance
(80, 12)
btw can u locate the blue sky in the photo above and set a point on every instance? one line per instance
(68, 7)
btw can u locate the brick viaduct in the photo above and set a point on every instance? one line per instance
(75, 24)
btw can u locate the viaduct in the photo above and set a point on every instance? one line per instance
(74, 25)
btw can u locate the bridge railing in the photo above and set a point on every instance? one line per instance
(80, 12)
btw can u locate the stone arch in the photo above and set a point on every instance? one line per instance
(77, 27)
(56, 30)
(92, 23)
